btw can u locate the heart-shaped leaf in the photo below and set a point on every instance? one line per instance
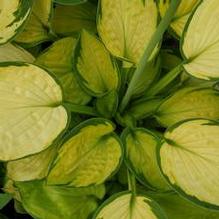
(31, 115)
(126, 206)
(126, 27)
(189, 159)
(91, 154)
(200, 42)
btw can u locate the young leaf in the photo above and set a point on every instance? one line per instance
(189, 103)
(200, 42)
(70, 20)
(55, 202)
(37, 29)
(97, 70)
(31, 115)
(126, 27)
(182, 14)
(107, 105)
(13, 15)
(70, 2)
(10, 189)
(151, 73)
(58, 59)
(144, 107)
(140, 156)
(32, 167)
(91, 154)
(182, 209)
(169, 60)
(125, 120)
(189, 160)
(126, 206)
(11, 52)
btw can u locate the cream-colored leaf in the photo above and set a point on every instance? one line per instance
(13, 15)
(32, 167)
(31, 114)
(189, 158)
(182, 14)
(126, 27)
(37, 29)
(200, 44)
(11, 53)
(126, 206)
(189, 103)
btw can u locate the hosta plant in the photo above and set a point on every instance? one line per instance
(109, 109)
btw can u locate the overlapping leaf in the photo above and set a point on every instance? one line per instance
(108, 104)
(126, 206)
(97, 70)
(58, 59)
(70, 2)
(13, 15)
(140, 154)
(70, 20)
(200, 43)
(182, 14)
(37, 29)
(188, 158)
(189, 103)
(177, 207)
(31, 115)
(51, 202)
(31, 168)
(151, 73)
(91, 154)
(144, 108)
(10, 52)
(126, 27)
